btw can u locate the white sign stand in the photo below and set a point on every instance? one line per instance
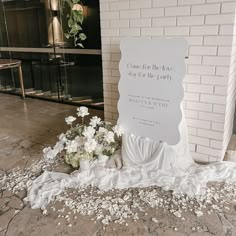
(151, 88)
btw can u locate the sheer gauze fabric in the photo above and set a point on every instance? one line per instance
(145, 163)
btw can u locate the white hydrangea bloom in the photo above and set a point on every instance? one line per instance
(79, 140)
(72, 146)
(102, 130)
(109, 137)
(49, 154)
(118, 130)
(90, 145)
(95, 121)
(82, 111)
(58, 147)
(88, 132)
(70, 119)
(99, 149)
(62, 138)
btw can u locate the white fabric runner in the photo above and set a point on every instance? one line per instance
(146, 163)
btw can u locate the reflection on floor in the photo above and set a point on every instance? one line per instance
(83, 100)
(76, 84)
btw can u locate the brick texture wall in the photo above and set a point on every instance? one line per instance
(231, 94)
(208, 26)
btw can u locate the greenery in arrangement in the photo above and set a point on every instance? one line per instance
(86, 142)
(75, 20)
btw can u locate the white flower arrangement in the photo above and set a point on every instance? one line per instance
(85, 142)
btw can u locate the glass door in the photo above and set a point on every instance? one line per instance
(54, 66)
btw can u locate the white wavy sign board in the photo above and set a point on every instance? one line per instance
(151, 88)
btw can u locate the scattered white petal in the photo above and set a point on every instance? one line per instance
(177, 214)
(199, 213)
(45, 212)
(154, 220)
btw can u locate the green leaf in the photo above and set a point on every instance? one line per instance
(82, 36)
(75, 26)
(70, 22)
(67, 35)
(80, 44)
(74, 29)
(69, 3)
(79, 27)
(80, 18)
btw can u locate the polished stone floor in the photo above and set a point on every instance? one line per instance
(28, 126)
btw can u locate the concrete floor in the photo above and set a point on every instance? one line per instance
(28, 126)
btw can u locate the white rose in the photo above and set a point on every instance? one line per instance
(109, 137)
(88, 132)
(90, 145)
(70, 119)
(72, 146)
(118, 130)
(77, 7)
(95, 121)
(82, 111)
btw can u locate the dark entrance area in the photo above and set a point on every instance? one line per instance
(53, 67)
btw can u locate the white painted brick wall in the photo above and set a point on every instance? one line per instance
(205, 9)
(209, 85)
(190, 20)
(203, 50)
(231, 93)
